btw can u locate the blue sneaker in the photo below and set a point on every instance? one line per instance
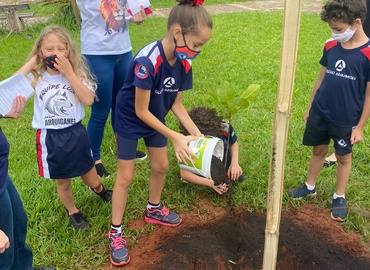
(339, 209)
(162, 216)
(301, 191)
(118, 252)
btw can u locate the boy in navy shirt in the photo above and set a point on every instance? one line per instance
(339, 106)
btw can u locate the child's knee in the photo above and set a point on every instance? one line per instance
(63, 184)
(344, 159)
(160, 169)
(320, 150)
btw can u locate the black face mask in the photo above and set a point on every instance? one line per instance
(50, 61)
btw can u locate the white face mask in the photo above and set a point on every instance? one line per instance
(345, 36)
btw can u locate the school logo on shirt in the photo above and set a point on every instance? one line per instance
(169, 81)
(141, 71)
(58, 103)
(340, 65)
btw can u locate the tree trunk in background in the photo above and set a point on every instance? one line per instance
(76, 11)
(14, 23)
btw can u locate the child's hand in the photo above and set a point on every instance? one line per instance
(4, 242)
(18, 105)
(357, 136)
(220, 189)
(34, 62)
(183, 152)
(234, 171)
(63, 65)
(139, 17)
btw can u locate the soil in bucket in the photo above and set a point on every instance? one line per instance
(205, 148)
(219, 175)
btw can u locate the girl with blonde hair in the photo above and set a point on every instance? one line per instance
(63, 85)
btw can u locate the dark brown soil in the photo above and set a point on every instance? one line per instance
(231, 238)
(219, 175)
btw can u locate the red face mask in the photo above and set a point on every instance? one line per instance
(184, 52)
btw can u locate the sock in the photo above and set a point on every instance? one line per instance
(309, 187)
(151, 205)
(100, 189)
(335, 196)
(69, 213)
(116, 229)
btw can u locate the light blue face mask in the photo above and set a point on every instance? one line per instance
(343, 37)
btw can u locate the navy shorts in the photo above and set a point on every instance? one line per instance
(63, 153)
(126, 148)
(319, 132)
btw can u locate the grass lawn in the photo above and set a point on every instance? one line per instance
(244, 49)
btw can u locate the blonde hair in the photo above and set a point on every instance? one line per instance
(76, 60)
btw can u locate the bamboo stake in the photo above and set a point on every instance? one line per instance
(292, 13)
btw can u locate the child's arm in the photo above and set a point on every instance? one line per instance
(180, 142)
(83, 93)
(234, 170)
(29, 66)
(315, 88)
(358, 133)
(182, 114)
(199, 180)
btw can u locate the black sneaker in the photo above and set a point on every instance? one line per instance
(78, 221)
(105, 194)
(140, 155)
(100, 169)
(339, 209)
(301, 192)
(42, 268)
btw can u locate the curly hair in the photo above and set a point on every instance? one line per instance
(206, 120)
(346, 11)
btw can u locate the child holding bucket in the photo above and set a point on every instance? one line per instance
(209, 123)
(156, 79)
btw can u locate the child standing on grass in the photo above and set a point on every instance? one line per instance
(209, 123)
(340, 105)
(63, 85)
(158, 75)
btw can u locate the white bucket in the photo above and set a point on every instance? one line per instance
(204, 148)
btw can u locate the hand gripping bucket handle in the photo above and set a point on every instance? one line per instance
(204, 148)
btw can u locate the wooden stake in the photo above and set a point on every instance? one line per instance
(292, 13)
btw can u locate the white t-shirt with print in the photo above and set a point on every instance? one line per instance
(104, 27)
(55, 104)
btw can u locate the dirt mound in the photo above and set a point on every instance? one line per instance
(232, 238)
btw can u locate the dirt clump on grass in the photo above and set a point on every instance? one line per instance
(212, 238)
